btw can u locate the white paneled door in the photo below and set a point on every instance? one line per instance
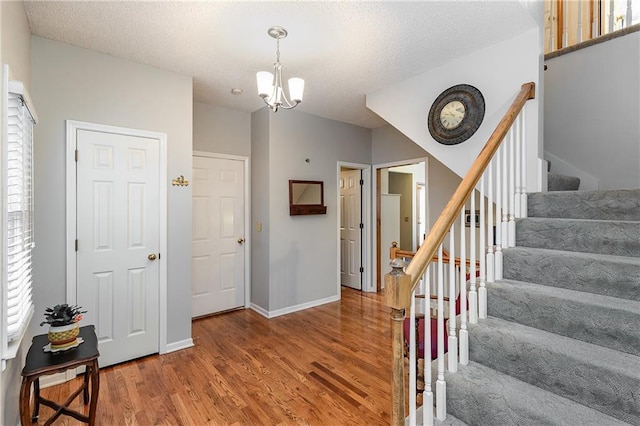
(350, 230)
(118, 241)
(218, 247)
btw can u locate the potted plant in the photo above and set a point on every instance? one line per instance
(63, 325)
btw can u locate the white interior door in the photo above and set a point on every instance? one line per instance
(350, 231)
(118, 241)
(218, 235)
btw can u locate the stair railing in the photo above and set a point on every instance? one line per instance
(501, 164)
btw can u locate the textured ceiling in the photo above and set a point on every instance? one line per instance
(343, 50)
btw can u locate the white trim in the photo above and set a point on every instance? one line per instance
(179, 345)
(374, 212)
(72, 128)
(247, 216)
(366, 247)
(296, 308)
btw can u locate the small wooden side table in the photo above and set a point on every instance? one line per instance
(41, 363)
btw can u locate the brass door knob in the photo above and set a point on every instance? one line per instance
(152, 256)
(240, 240)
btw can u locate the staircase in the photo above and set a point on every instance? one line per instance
(561, 343)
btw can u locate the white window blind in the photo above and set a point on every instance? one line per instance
(19, 214)
(17, 204)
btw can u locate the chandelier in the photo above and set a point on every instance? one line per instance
(270, 85)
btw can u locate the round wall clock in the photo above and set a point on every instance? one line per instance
(456, 114)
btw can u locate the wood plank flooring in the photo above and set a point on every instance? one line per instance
(329, 365)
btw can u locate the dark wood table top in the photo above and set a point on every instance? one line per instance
(39, 361)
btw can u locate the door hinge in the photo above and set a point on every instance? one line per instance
(76, 154)
(361, 182)
(76, 245)
(362, 226)
(361, 269)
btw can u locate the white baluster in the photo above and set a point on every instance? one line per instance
(453, 339)
(498, 252)
(441, 386)
(464, 334)
(523, 138)
(412, 361)
(595, 24)
(629, 19)
(518, 192)
(579, 29)
(552, 28)
(490, 258)
(473, 293)
(504, 224)
(482, 291)
(427, 394)
(511, 226)
(611, 15)
(565, 23)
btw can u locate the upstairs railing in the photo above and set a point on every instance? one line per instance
(569, 22)
(499, 174)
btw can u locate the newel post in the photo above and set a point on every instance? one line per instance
(397, 292)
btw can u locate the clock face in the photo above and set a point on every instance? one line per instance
(452, 114)
(456, 114)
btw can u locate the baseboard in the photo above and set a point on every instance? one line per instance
(58, 378)
(176, 346)
(295, 308)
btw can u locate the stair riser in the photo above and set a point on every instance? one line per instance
(605, 237)
(559, 269)
(607, 390)
(617, 329)
(603, 205)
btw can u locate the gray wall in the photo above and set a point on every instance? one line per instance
(221, 130)
(592, 111)
(78, 84)
(15, 50)
(302, 260)
(260, 141)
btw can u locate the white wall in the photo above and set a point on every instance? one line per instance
(78, 84)
(592, 111)
(221, 130)
(15, 50)
(302, 261)
(498, 71)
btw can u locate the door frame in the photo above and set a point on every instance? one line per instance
(247, 215)
(365, 247)
(72, 128)
(378, 250)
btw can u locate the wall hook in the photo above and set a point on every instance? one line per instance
(180, 181)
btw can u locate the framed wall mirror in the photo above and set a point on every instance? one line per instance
(306, 197)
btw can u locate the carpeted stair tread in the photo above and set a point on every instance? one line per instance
(602, 320)
(616, 276)
(604, 205)
(479, 395)
(620, 238)
(558, 182)
(601, 378)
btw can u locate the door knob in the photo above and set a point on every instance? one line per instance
(240, 240)
(152, 256)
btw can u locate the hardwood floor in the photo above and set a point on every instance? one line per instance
(329, 365)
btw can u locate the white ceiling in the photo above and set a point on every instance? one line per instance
(343, 50)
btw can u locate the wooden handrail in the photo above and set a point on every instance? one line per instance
(395, 252)
(448, 216)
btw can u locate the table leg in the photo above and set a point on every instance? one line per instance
(36, 399)
(25, 396)
(86, 385)
(95, 388)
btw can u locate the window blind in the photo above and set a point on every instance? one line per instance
(18, 229)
